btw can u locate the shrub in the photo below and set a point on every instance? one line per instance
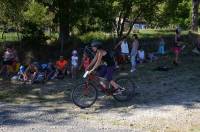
(88, 37)
(32, 31)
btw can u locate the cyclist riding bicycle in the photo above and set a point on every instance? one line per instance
(103, 63)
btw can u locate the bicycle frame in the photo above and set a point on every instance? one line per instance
(95, 80)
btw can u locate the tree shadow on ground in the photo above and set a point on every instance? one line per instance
(155, 89)
(179, 87)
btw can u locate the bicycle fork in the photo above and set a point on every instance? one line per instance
(86, 89)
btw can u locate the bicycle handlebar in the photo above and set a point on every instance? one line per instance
(85, 74)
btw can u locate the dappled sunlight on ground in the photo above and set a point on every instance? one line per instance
(164, 101)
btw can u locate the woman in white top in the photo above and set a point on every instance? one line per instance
(134, 51)
(124, 49)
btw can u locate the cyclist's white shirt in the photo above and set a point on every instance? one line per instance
(124, 47)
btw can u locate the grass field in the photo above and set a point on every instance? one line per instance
(9, 37)
(151, 33)
(143, 34)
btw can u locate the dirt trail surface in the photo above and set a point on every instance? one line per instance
(164, 102)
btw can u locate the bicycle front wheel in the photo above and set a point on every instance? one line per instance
(84, 95)
(127, 88)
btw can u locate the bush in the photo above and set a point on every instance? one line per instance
(32, 31)
(88, 37)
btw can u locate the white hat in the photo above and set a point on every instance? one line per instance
(74, 52)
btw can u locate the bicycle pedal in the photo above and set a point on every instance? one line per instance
(117, 92)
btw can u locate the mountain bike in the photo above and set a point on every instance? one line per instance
(85, 94)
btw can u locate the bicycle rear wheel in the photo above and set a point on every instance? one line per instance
(84, 95)
(127, 88)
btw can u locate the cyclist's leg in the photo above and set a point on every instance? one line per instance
(109, 77)
(102, 71)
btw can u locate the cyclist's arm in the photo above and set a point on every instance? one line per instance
(93, 61)
(98, 62)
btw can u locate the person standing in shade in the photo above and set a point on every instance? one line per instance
(74, 63)
(177, 47)
(124, 49)
(134, 51)
(161, 48)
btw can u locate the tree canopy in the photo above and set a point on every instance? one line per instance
(76, 17)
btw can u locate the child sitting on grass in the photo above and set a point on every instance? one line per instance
(61, 67)
(141, 55)
(31, 72)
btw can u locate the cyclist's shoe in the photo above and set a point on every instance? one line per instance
(132, 70)
(119, 91)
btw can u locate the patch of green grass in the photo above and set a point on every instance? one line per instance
(152, 33)
(195, 129)
(9, 37)
(94, 36)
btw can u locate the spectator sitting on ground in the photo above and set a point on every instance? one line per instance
(50, 70)
(152, 57)
(8, 59)
(197, 47)
(61, 67)
(21, 72)
(141, 55)
(31, 72)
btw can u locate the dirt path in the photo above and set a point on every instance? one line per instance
(165, 102)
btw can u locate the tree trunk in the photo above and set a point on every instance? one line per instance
(119, 24)
(127, 7)
(195, 7)
(133, 22)
(64, 22)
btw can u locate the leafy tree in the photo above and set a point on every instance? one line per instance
(38, 14)
(133, 10)
(11, 13)
(36, 18)
(173, 12)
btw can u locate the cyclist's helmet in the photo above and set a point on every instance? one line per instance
(96, 44)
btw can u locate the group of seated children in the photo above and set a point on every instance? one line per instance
(35, 71)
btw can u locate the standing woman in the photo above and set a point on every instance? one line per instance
(124, 49)
(134, 51)
(177, 47)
